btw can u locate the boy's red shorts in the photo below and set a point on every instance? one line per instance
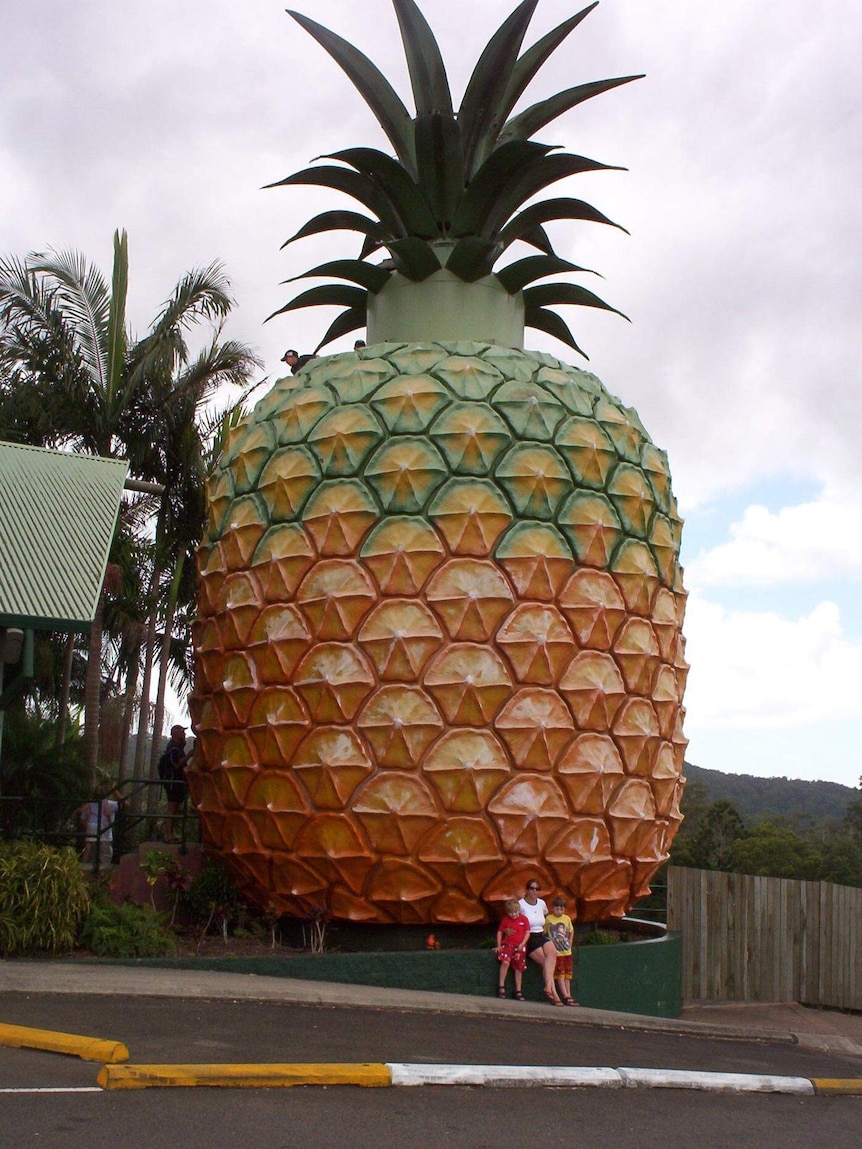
(516, 958)
(563, 968)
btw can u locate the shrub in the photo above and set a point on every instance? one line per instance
(126, 931)
(602, 938)
(212, 899)
(43, 898)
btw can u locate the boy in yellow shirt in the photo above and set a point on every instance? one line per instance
(558, 927)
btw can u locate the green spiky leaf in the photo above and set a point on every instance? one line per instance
(490, 80)
(370, 245)
(535, 237)
(566, 293)
(529, 64)
(371, 84)
(517, 275)
(351, 183)
(413, 258)
(548, 321)
(393, 183)
(329, 295)
(428, 79)
(534, 118)
(367, 275)
(339, 221)
(523, 72)
(547, 211)
(472, 258)
(351, 320)
(532, 178)
(464, 178)
(497, 173)
(440, 163)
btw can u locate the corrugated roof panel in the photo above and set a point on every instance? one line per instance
(57, 518)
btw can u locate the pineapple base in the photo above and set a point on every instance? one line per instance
(439, 641)
(445, 309)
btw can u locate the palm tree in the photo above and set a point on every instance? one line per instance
(181, 436)
(71, 374)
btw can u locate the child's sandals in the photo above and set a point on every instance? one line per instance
(518, 996)
(552, 998)
(569, 1001)
(501, 991)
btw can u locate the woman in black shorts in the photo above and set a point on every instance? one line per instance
(540, 948)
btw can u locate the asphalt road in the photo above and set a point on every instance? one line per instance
(176, 1030)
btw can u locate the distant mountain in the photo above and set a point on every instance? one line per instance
(759, 799)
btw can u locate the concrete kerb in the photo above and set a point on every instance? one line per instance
(399, 1074)
(73, 1044)
(42, 977)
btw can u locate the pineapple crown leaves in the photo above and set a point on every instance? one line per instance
(462, 178)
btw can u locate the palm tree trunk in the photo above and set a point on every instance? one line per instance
(92, 692)
(129, 710)
(93, 683)
(140, 771)
(65, 689)
(159, 713)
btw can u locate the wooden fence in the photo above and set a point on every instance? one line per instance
(766, 939)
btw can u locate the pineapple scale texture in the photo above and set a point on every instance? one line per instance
(439, 640)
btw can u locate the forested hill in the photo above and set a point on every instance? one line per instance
(759, 799)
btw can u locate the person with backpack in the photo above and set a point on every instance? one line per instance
(172, 772)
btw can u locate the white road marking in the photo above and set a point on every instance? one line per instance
(65, 1089)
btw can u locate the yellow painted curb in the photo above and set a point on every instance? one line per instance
(88, 1048)
(243, 1076)
(837, 1084)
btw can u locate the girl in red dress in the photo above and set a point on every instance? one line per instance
(512, 935)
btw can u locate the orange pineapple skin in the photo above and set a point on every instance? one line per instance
(439, 647)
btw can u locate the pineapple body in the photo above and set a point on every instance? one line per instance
(439, 640)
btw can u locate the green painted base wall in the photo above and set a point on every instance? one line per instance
(641, 977)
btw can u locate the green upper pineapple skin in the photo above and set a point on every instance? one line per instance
(300, 410)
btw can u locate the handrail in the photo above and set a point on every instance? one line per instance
(68, 831)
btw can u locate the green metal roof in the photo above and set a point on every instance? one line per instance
(57, 518)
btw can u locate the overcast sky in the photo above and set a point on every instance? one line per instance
(742, 274)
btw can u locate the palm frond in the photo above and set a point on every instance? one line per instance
(115, 334)
(80, 290)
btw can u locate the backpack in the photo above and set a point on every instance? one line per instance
(166, 768)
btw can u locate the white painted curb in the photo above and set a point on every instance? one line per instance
(714, 1082)
(504, 1075)
(602, 1077)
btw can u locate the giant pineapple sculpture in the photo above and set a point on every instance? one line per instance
(439, 638)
